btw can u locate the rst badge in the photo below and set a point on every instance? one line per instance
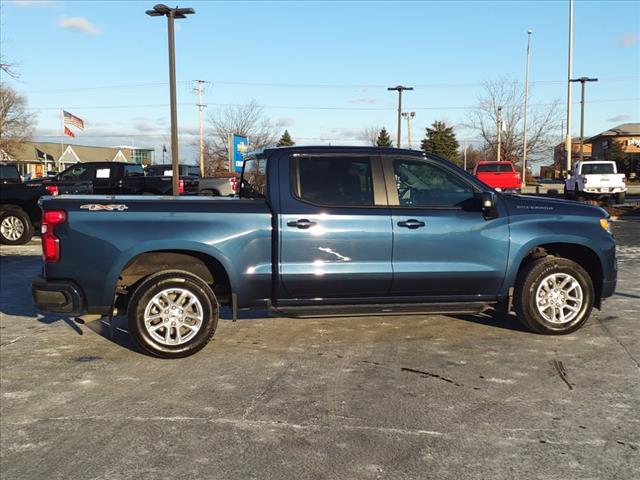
(99, 207)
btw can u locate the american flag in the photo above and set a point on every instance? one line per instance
(70, 119)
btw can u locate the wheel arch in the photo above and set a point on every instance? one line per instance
(583, 255)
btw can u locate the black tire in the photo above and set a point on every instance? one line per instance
(142, 299)
(620, 198)
(15, 226)
(526, 289)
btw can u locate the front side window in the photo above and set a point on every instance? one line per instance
(254, 178)
(77, 172)
(335, 181)
(424, 184)
(193, 171)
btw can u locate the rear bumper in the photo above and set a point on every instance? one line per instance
(57, 296)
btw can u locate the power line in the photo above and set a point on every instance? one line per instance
(307, 85)
(309, 107)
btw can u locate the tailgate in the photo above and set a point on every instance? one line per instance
(500, 179)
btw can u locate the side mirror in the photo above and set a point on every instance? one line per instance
(489, 205)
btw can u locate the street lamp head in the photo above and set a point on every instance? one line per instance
(160, 10)
(529, 32)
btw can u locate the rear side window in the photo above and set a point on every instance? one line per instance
(334, 181)
(77, 172)
(254, 178)
(495, 167)
(133, 171)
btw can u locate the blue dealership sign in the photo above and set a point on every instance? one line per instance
(239, 146)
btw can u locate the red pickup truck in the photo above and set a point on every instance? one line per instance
(499, 175)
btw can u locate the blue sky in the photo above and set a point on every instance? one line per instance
(298, 58)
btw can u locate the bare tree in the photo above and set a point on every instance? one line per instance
(247, 120)
(509, 95)
(16, 122)
(370, 134)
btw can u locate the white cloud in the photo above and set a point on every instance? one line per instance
(368, 100)
(628, 40)
(79, 24)
(30, 3)
(285, 122)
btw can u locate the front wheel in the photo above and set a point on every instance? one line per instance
(554, 296)
(15, 227)
(173, 314)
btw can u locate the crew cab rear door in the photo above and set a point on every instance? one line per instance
(442, 244)
(335, 230)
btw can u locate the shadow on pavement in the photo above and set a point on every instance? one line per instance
(495, 319)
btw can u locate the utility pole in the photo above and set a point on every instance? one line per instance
(408, 116)
(582, 81)
(526, 107)
(465, 155)
(161, 10)
(399, 89)
(567, 140)
(499, 125)
(198, 89)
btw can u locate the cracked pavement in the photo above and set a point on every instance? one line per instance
(397, 397)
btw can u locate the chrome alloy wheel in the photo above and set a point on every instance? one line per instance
(12, 228)
(173, 316)
(559, 298)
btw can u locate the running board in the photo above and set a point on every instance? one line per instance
(380, 309)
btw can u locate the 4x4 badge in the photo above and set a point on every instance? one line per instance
(98, 207)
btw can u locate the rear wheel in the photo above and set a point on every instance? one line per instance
(620, 198)
(15, 227)
(173, 314)
(554, 296)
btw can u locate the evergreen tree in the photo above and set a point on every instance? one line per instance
(285, 140)
(441, 140)
(384, 140)
(616, 153)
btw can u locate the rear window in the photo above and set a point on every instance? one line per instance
(597, 168)
(254, 178)
(9, 172)
(495, 167)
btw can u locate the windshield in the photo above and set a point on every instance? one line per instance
(597, 168)
(495, 167)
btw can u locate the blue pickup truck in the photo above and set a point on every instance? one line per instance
(324, 230)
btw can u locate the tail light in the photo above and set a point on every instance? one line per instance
(233, 181)
(180, 186)
(624, 180)
(584, 180)
(53, 190)
(51, 243)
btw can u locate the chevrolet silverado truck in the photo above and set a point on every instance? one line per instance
(502, 176)
(116, 178)
(328, 231)
(595, 179)
(19, 210)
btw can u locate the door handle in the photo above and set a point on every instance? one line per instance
(411, 223)
(303, 223)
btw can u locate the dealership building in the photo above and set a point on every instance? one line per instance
(38, 158)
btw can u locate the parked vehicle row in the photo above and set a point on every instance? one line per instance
(324, 230)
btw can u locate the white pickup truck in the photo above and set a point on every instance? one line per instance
(595, 179)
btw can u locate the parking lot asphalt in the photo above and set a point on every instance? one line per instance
(398, 397)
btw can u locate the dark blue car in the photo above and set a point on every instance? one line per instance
(329, 230)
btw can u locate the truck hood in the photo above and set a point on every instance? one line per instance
(526, 205)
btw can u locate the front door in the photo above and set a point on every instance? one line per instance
(442, 244)
(335, 228)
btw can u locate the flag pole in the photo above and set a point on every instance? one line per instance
(61, 139)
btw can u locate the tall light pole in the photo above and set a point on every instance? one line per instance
(408, 116)
(499, 126)
(198, 90)
(567, 139)
(582, 81)
(526, 107)
(161, 10)
(399, 89)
